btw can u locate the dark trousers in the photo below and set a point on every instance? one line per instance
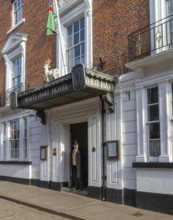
(76, 182)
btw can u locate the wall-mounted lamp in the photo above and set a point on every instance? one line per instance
(102, 63)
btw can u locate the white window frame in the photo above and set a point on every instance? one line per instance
(71, 49)
(4, 143)
(17, 12)
(164, 118)
(16, 74)
(15, 153)
(23, 139)
(148, 123)
(69, 13)
(14, 47)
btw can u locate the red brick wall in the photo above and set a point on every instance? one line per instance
(113, 21)
(5, 14)
(39, 47)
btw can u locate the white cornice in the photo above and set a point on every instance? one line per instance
(69, 6)
(13, 41)
(152, 61)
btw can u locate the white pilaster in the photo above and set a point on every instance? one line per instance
(88, 33)
(113, 132)
(141, 125)
(44, 165)
(164, 110)
(94, 141)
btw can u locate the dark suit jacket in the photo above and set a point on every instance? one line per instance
(78, 164)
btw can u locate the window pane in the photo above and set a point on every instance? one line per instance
(82, 23)
(77, 60)
(14, 149)
(15, 5)
(82, 35)
(76, 38)
(83, 49)
(169, 7)
(154, 131)
(83, 59)
(152, 95)
(153, 113)
(16, 75)
(18, 11)
(76, 27)
(77, 51)
(154, 147)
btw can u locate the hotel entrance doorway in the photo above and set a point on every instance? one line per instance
(79, 132)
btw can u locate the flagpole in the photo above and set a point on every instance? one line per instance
(60, 37)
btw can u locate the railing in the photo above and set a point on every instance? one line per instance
(4, 97)
(152, 39)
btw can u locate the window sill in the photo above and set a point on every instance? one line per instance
(152, 165)
(17, 25)
(16, 162)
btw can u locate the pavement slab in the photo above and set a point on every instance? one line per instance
(73, 206)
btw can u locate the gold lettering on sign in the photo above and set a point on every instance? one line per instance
(46, 93)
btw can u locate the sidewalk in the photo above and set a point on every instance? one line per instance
(73, 206)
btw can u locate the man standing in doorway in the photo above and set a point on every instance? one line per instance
(76, 167)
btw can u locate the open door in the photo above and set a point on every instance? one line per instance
(79, 132)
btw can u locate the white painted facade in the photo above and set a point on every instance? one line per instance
(128, 123)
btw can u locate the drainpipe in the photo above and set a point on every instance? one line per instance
(103, 188)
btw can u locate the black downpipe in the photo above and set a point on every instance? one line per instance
(103, 189)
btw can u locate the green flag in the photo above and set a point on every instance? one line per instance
(51, 27)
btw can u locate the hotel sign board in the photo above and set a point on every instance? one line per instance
(80, 84)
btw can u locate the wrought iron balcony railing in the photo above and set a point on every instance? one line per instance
(152, 39)
(4, 97)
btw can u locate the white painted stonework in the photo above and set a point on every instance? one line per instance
(155, 181)
(59, 120)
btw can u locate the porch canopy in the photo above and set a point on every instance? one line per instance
(82, 83)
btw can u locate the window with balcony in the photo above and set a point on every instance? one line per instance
(17, 11)
(76, 43)
(156, 37)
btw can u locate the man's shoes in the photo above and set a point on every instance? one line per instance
(81, 189)
(75, 189)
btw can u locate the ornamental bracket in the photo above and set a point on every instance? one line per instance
(109, 99)
(41, 114)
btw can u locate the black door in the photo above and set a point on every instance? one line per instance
(79, 132)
